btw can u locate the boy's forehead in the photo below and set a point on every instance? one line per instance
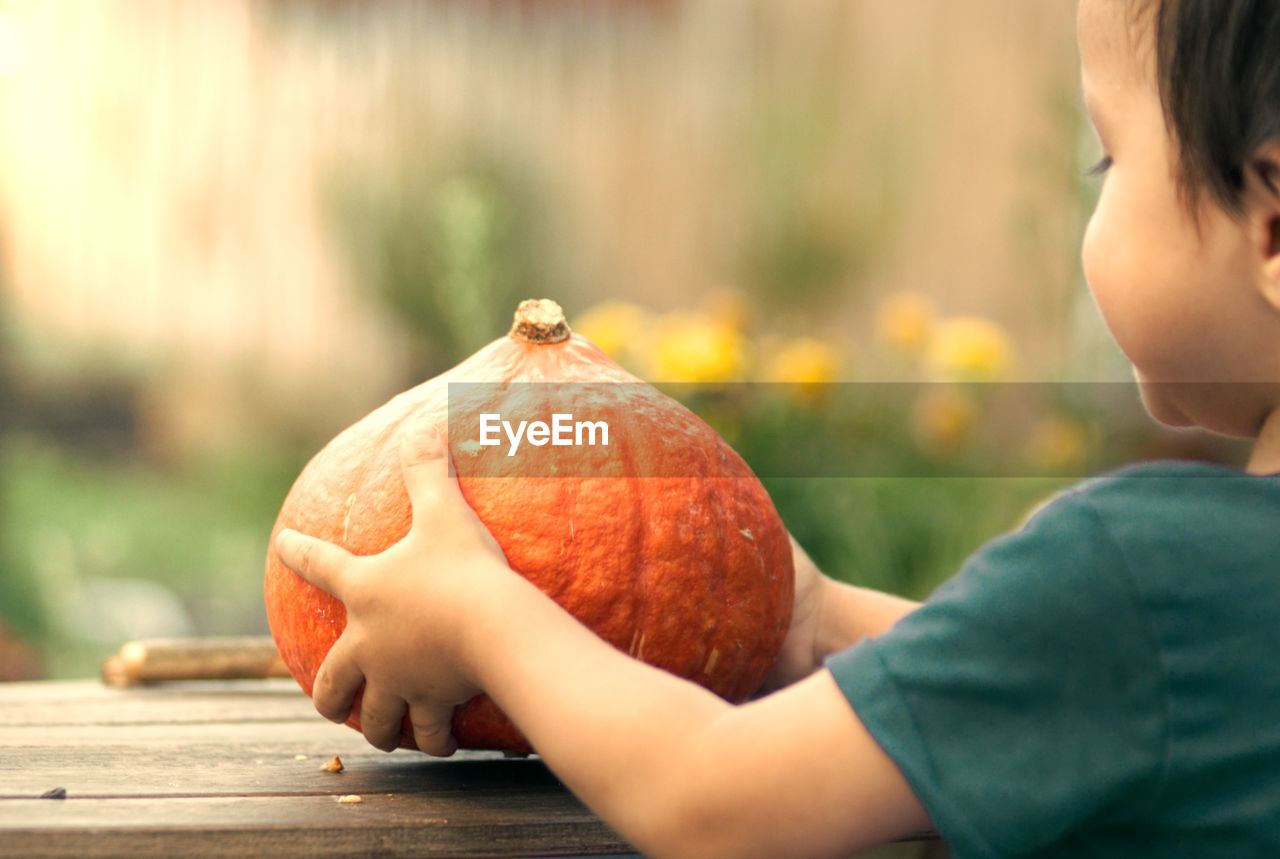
(1118, 34)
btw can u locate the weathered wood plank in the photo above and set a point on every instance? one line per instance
(205, 658)
(383, 825)
(170, 783)
(65, 690)
(142, 770)
(212, 769)
(91, 703)
(146, 775)
(312, 732)
(384, 808)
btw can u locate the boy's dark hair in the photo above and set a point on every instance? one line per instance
(1218, 69)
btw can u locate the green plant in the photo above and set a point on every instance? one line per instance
(448, 247)
(88, 535)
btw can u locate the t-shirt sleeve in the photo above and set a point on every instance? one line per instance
(1025, 699)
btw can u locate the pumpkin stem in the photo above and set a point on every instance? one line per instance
(539, 321)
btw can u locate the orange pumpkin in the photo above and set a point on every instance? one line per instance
(663, 542)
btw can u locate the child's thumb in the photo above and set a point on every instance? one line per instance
(424, 461)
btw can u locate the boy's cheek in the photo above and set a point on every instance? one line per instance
(1128, 284)
(1101, 256)
(1104, 262)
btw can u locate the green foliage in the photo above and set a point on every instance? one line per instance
(17, 606)
(450, 249)
(94, 535)
(904, 535)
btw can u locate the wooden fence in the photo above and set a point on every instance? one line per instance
(164, 164)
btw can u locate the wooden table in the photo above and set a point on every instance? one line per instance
(234, 768)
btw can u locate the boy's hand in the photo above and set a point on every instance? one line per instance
(798, 656)
(407, 632)
(828, 616)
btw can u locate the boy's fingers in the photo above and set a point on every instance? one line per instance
(433, 729)
(315, 560)
(337, 682)
(424, 460)
(381, 718)
(433, 490)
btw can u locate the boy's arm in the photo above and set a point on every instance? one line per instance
(672, 767)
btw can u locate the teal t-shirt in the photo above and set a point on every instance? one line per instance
(1105, 682)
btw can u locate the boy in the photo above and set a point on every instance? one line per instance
(1101, 683)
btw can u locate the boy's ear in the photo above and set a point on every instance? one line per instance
(1262, 193)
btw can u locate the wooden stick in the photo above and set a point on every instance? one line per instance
(165, 659)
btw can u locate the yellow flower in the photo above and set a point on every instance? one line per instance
(696, 348)
(971, 348)
(622, 330)
(1058, 444)
(943, 419)
(905, 321)
(803, 366)
(804, 361)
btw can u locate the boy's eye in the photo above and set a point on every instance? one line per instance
(1101, 167)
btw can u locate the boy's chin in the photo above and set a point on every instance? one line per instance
(1234, 409)
(1157, 399)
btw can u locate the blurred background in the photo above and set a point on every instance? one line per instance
(230, 228)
